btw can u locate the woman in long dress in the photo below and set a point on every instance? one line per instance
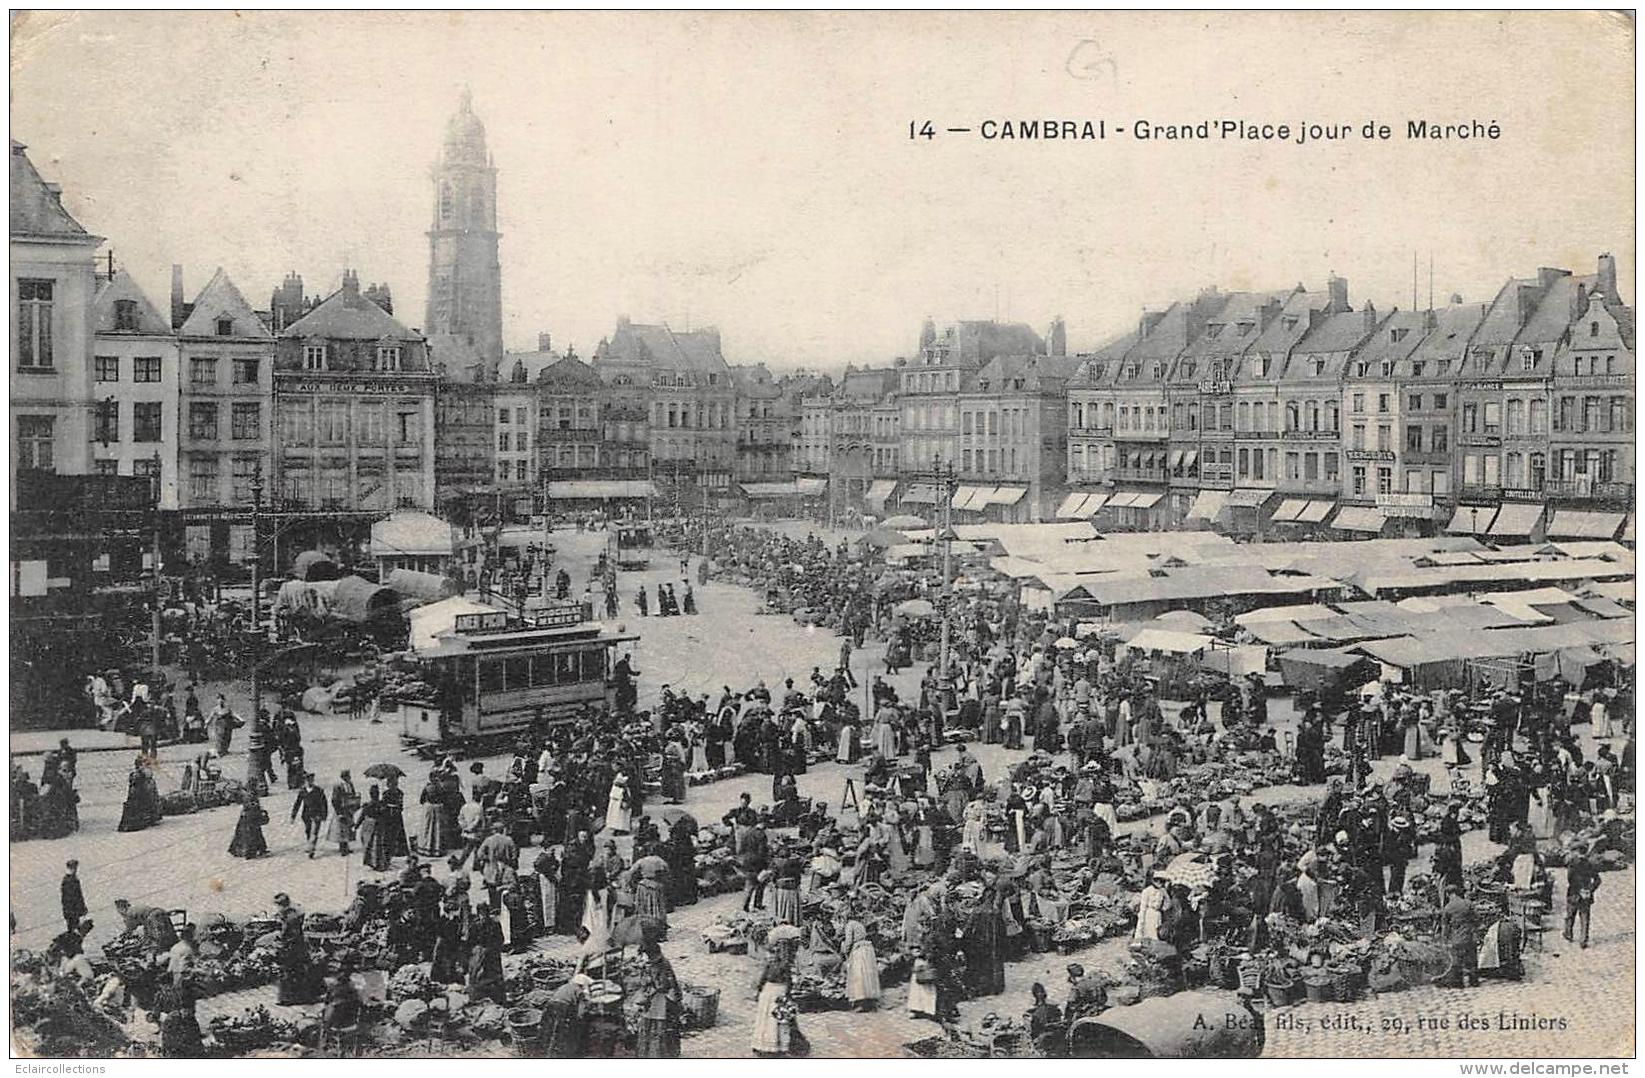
(1413, 735)
(848, 748)
(1600, 716)
(248, 839)
(648, 881)
(617, 805)
(394, 819)
(142, 807)
(374, 830)
(862, 969)
(885, 733)
(658, 1035)
(1150, 911)
(890, 830)
(975, 832)
(548, 867)
(439, 831)
(597, 912)
(773, 1024)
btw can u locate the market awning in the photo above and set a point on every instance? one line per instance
(1359, 518)
(1248, 498)
(770, 490)
(1176, 459)
(1289, 510)
(810, 487)
(1314, 512)
(1007, 495)
(1471, 520)
(880, 491)
(964, 496)
(1122, 499)
(412, 534)
(1516, 520)
(569, 489)
(920, 494)
(1577, 524)
(1189, 457)
(1207, 504)
(1145, 499)
(1093, 502)
(1628, 530)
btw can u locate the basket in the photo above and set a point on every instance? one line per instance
(1318, 989)
(525, 1026)
(700, 1006)
(1039, 937)
(1250, 975)
(1345, 985)
(1281, 993)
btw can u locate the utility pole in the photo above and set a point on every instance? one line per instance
(154, 552)
(257, 590)
(949, 483)
(705, 522)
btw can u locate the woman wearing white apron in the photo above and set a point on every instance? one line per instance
(617, 806)
(1600, 716)
(974, 834)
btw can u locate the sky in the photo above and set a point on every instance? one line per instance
(755, 172)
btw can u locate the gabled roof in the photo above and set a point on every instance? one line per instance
(220, 299)
(1334, 335)
(348, 315)
(1409, 327)
(148, 320)
(1501, 322)
(1287, 329)
(1449, 339)
(1035, 372)
(869, 385)
(1099, 368)
(978, 341)
(36, 209)
(567, 371)
(658, 347)
(1552, 318)
(1234, 327)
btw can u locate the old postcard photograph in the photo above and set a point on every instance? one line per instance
(913, 535)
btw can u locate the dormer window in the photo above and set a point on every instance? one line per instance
(225, 327)
(388, 357)
(1417, 367)
(1290, 322)
(1187, 368)
(1213, 331)
(314, 357)
(1159, 370)
(1245, 328)
(1593, 329)
(125, 314)
(1387, 368)
(1398, 334)
(1529, 357)
(1262, 366)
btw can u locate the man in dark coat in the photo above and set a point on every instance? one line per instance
(311, 804)
(74, 900)
(1581, 881)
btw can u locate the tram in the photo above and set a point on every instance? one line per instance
(496, 675)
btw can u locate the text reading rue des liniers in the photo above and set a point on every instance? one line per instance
(1227, 131)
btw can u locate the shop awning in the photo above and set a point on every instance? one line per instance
(962, 497)
(1145, 499)
(1176, 459)
(1093, 502)
(1207, 505)
(920, 494)
(570, 489)
(880, 492)
(1516, 520)
(1289, 510)
(1248, 498)
(1007, 495)
(1070, 507)
(1189, 457)
(1314, 512)
(1471, 520)
(1577, 524)
(1628, 530)
(771, 490)
(811, 487)
(1359, 518)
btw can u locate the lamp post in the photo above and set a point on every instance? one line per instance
(256, 588)
(949, 483)
(154, 557)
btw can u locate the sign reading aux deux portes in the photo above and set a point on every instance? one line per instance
(361, 387)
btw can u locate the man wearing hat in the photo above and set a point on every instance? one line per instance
(1399, 849)
(73, 899)
(312, 805)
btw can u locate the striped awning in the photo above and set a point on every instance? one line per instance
(1007, 495)
(1093, 502)
(1289, 510)
(1579, 524)
(1359, 518)
(1070, 507)
(1145, 499)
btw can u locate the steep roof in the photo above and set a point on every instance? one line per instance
(221, 299)
(1236, 325)
(148, 319)
(348, 315)
(1288, 328)
(658, 347)
(1552, 318)
(1099, 368)
(1454, 326)
(1035, 372)
(1501, 323)
(1340, 332)
(1392, 342)
(36, 209)
(976, 341)
(869, 385)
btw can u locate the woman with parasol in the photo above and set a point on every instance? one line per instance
(394, 798)
(373, 832)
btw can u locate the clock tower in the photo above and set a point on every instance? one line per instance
(465, 309)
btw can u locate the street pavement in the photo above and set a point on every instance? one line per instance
(183, 863)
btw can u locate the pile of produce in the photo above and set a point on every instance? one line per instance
(52, 1016)
(714, 774)
(214, 795)
(253, 1030)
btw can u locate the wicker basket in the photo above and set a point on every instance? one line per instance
(1319, 989)
(1250, 975)
(1345, 985)
(1281, 993)
(700, 1006)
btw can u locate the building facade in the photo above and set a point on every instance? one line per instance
(354, 400)
(464, 318)
(685, 380)
(53, 282)
(135, 377)
(226, 437)
(1013, 438)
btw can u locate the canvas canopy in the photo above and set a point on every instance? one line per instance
(1471, 520)
(572, 489)
(415, 534)
(358, 600)
(1359, 518)
(1515, 520)
(1577, 524)
(427, 622)
(1207, 504)
(1169, 640)
(410, 584)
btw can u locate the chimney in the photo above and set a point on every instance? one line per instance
(1579, 302)
(1266, 315)
(176, 296)
(1057, 339)
(544, 343)
(1526, 297)
(1370, 314)
(1150, 322)
(1430, 320)
(351, 285)
(1338, 288)
(1607, 276)
(1547, 275)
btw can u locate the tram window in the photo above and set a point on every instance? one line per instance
(491, 676)
(519, 672)
(542, 671)
(594, 665)
(565, 668)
